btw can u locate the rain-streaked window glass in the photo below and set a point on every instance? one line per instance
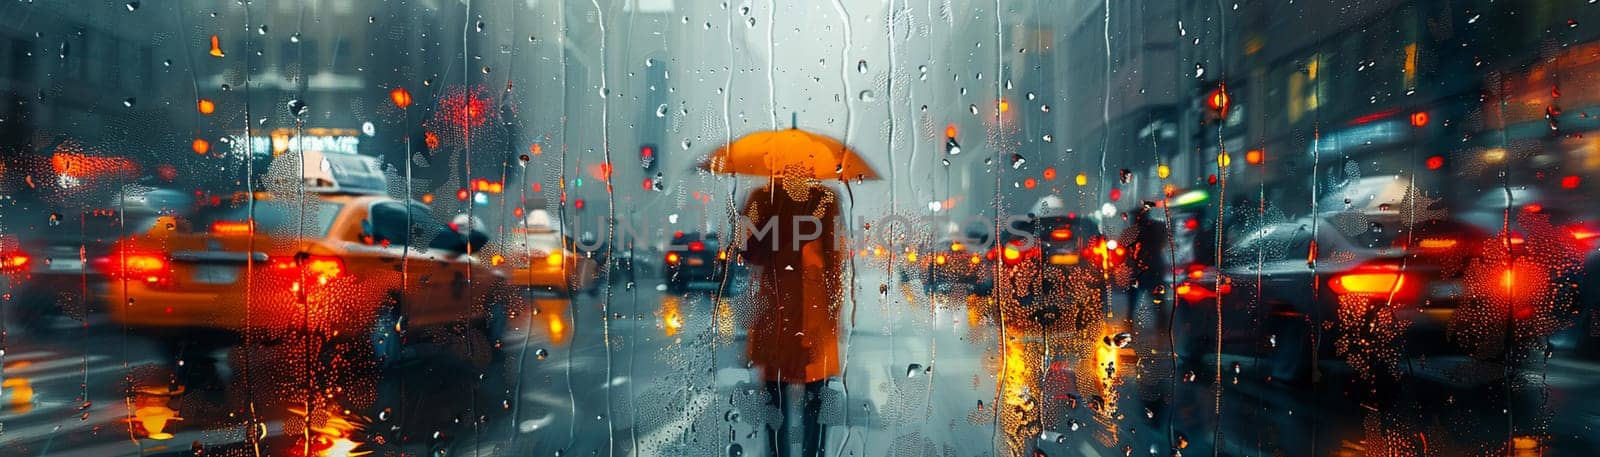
(674, 227)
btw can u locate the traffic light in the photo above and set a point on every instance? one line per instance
(1218, 100)
(647, 156)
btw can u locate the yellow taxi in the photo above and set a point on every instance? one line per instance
(337, 260)
(540, 258)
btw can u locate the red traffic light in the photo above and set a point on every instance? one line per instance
(1218, 100)
(1419, 119)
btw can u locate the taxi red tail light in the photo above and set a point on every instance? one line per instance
(151, 269)
(324, 268)
(1060, 234)
(14, 261)
(320, 268)
(697, 246)
(1374, 282)
(231, 227)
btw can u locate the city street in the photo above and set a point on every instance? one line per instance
(674, 382)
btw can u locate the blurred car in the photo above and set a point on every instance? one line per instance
(1545, 232)
(1053, 269)
(53, 271)
(952, 262)
(695, 260)
(344, 261)
(630, 263)
(1377, 280)
(539, 257)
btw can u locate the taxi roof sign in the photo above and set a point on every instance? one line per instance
(333, 173)
(537, 219)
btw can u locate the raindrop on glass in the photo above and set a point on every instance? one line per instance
(128, 102)
(133, 6)
(867, 96)
(661, 111)
(861, 66)
(262, 30)
(913, 369)
(1122, 339)
(298, 108)
(973, 108)
(541, 353)
(294, 38)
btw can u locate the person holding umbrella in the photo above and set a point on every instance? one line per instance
(789, 234)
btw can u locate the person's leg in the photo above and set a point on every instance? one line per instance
(778, 436)
(816, 436)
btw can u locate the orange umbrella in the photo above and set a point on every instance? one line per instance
(768, 153)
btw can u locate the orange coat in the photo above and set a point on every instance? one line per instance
(794, 325)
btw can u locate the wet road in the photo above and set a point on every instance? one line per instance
(923, 376)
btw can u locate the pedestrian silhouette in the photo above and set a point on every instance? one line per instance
(1147, 240)
(790, 239)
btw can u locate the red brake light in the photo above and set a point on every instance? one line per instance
(147, 268)
(1584, 234)
(1372, 282)
(697, 246)
(672, 258)
(320, 268)
(1533, 207)
(1437, 243)
(231, 227)
(324, 268)
(15, 261)
(1060, 234)
(1194, 293)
